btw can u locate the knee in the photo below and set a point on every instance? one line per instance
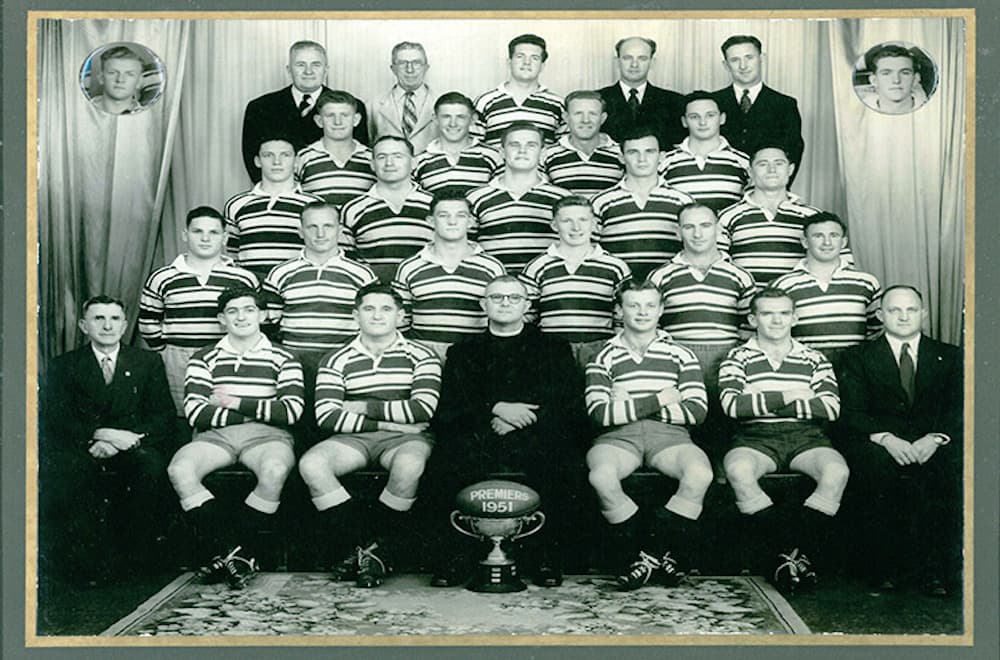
(314, 469)
(698, 477)
(603, 478)
(407, 468)
(273, 473)
(740, 473)
(835, 475)
(181, 472)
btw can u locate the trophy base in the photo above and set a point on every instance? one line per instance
(494, 579)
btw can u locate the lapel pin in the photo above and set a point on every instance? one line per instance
(128, 373)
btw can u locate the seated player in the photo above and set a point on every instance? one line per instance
(376, 396)
(510, 402)
(105, 410)
(586, 161)
(336, 167)
(644, 390)
(389, 222)
(177, 307)
(241, 395)
(781, 392)
(455, 159)
(573, 284)
(902, 413)
(704, 165)
(442, 286)
(119, 78)
(639, 214)
(263, 222)
(514, 210)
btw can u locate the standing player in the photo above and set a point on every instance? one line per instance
(178, 305)
(443, 285)
(376, 396)
(521, 98)
(263, 222)
(781, 392)
(586, 161)
(389, 222)
(240, 395)
(644, 391)
(704, 165)
(514, 210)
(639, 214)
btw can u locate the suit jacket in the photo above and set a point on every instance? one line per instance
(872, 399)
(387, 119)
(773, 118)
(660, 108)
(276, 113)
(76, 401)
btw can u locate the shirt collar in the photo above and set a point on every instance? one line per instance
(619, 339)
(373, 192)
(896, 346)
(258, 189)
(398, 93)
(681, 258)
(338, 256)
(803, 265)
(435, 146)
(502, 87)
(640, 90)
(797, 346)
(753, 89)
(790, 198)
(427, 254)
(100, 355)
(553, 251)
(723, 146)
(495, 182)
(181, 264)
(297, 96)
(399, 341)
(604, 140)
(263, 344)
(318, 146)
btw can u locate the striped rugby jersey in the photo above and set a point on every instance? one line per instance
(318, 173)
(704, 307)
(751, 386)
(496, 110)
(264, 228)
(514, 229)
(476, 165)
(577, 306)
(382, 237)
(643, 237)
(267, 378)
(314, 303)
(717, 180)
(838, 315)
(440, 305)
(664, 364)
(570, 168)
(766, 246)
(176, 308)
(402, 385)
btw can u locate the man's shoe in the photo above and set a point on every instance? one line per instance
(346, 568)
(794, 573)
(548, 575)
(639, 572)
(239, 569)
(668, 574)
(372, 569)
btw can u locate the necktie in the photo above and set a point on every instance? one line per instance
(107, 370)
(633, 101)
(304, 105)
(745, 101)
(409, 114)
(906, 371)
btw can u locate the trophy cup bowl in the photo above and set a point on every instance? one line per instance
(497, 510)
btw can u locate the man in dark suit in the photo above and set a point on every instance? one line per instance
(755, 113)
(292, 108)
(633, 101)
(902, 418)
(106, 411)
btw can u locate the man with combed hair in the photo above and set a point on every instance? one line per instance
(241, 395)
(755, 113)
(337, 167)
(639, 214)
(119, 78)
(704, 165)
(443, 284)
(644, 390)
(521, 98)
(634, 101)
(106, 426)
(896, 79)
(376, 396)
(455, 159)
(292, 108)
(178, 306)
(407, 109)
(782, 392)
(585, 161)
(388, 223)
(572, 285)
(902, 417)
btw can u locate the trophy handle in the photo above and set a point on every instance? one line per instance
(536, 516)
(457, 515)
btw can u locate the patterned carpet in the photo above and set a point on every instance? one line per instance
(312, 604)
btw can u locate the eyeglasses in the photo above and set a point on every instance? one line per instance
(408, 64)
(497, 298)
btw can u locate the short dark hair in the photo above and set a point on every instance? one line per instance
(204, 212)
(886, 50)
(649, 42)
(699, 95)
(335, 96)
(822, 216)
(532, 39)
(274, 136)
(231, 293)
(377, 287)
(457, 98)
(639, 132)
(738, 39)
(583, 95)
(907, 287)
(521, 126)
(770, 145)
(119, 52)
(769, 292)
(318, 205)
(695, 205)
(389, 137)
(635, 285)
(101, 299)
(449, 194)
(570, 200)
